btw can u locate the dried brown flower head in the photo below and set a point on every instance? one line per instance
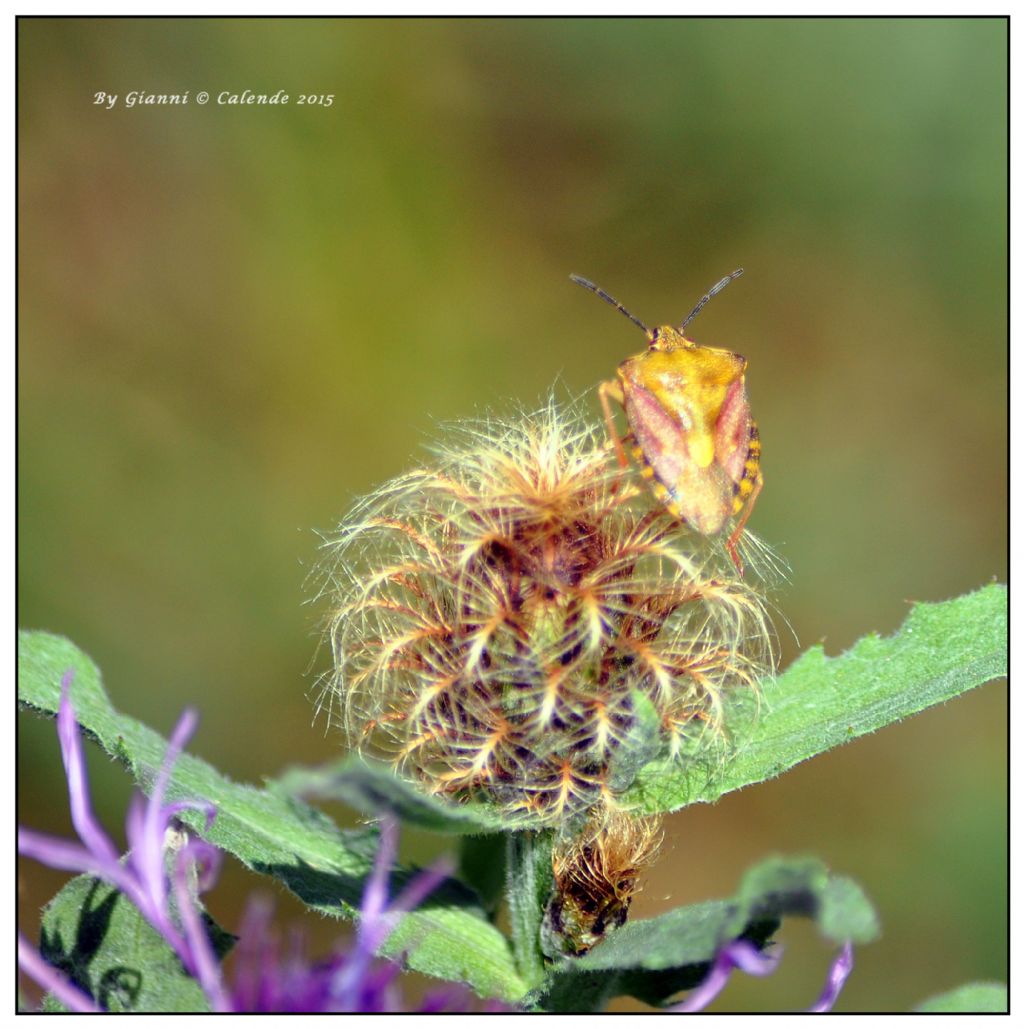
(495, 616)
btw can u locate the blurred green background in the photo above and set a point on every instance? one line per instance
(235, 320)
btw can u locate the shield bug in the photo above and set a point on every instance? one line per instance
(689, 418)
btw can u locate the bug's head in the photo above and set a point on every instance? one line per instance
(665, 337)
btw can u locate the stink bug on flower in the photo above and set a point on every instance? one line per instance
(689, 418)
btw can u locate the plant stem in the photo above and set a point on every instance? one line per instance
(528, 886)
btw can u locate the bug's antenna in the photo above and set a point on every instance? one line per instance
(587, 284)
(715, 289)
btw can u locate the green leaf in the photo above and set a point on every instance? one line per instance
(373, 789)
(655, 958)
(971, 998)
(98, 938)
(820, 702)
(277, 835)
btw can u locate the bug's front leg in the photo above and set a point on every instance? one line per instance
(613, 390)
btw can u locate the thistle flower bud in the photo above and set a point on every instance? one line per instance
(499, 618)
(595, 877)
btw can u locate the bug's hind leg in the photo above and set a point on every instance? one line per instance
(730, 543)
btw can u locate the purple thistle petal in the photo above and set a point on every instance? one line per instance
(375, 934)
(422, 886)
(146, 882)
(148, 846)
(345, 989)
(175, 809)
(52, 980)
(272, 978)
(254, 937)
(739, 954)
(304, 987)
(451, 999)
(142, 877)
(497, 1007)
(266, 980)
(375, 893)
(747, 958)
(377, 919)
(72, 857)
(66, 855)
(346, 985)
(376, 990)
(89, 830)
(182, 734)
(838, 973)
(202, 961)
